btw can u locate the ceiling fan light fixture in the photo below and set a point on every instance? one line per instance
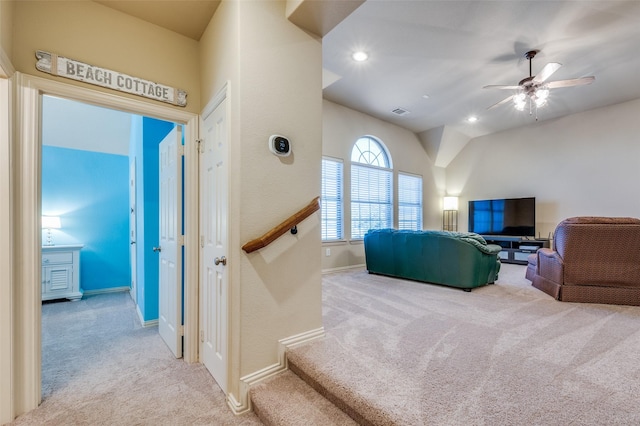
(540, 102)
(542, 93)
(520, 101)
(534, 90)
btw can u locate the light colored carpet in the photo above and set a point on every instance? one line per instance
(100, 367)
(407, 353)
(288, 401)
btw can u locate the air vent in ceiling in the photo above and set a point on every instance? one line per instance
(400, 111)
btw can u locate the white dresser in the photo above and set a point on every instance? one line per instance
(61, 272)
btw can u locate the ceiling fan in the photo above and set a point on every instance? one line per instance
(534, 90)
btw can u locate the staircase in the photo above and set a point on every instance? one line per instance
(316, 390)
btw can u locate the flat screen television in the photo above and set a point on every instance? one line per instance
(515, 217)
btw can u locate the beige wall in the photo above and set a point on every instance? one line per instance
(274, 73)
(6, 27)
(584, 164)
(100, 36)
(341, 128)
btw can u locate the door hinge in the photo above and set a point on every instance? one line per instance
(181, 240)
(181, 150)
(181, 330)
(199, 142)
(202, 241)
(202, 335)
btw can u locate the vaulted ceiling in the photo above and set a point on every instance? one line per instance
(432, 58)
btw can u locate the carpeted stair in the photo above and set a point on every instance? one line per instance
(286, 400)
(317, 391)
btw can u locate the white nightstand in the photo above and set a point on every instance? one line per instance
(61, 272)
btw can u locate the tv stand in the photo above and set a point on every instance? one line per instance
(516, 249)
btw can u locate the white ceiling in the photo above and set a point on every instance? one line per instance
(76, 125)
(449, 50)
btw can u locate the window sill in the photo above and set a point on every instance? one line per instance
(334, 242)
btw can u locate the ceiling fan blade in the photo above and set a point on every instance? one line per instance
(546, 72)
(573, 82)
(497, 86)
(504, 101)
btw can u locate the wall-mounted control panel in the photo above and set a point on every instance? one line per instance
(279, 145)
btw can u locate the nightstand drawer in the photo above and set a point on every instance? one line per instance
(54, 258)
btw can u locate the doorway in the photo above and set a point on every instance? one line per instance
(89, 157)
(27, 371)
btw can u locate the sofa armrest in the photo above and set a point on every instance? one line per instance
(550, 265)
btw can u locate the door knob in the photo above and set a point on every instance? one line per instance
(157, 249)
(133, 242)
(220, 260)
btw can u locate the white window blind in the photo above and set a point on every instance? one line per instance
(409, 202)
(371, 199)
(331, 200)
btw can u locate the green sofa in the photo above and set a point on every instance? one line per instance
(455, 259)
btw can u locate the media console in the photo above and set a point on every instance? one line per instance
(516, 249)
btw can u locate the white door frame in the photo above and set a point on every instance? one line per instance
(27, 328)
(6, 260)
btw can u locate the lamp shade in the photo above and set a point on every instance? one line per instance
(51, 222)
(450, 203)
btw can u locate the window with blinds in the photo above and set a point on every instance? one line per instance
(371, 187)
(409, 202)
(331, 200)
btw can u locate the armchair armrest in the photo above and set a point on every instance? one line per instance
(550, 265)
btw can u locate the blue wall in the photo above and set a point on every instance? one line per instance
(90, 193)
(146, 135)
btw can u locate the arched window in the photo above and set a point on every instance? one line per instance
(371, 187)
(370, 151)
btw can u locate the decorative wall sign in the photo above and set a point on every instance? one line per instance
(75, 70)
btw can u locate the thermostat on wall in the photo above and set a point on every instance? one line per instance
(279, 145)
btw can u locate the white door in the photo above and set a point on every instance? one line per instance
(132, 228)
(170, 248)
(213, 244)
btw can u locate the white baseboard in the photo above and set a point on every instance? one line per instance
(106, 290)
(244, 403)
(150, 323)
(343, 268)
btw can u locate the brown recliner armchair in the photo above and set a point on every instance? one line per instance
(594, 260)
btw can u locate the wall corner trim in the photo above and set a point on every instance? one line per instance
(6, 67)
(243, 405)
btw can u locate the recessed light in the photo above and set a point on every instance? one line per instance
(472, 119)
(425, 96)
(360, 56)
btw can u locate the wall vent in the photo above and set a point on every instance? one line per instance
(400, 111)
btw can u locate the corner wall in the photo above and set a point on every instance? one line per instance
(274, 72)
(580, 165)
(6, 30)
(342, 126)
(146, 135)
(90, 193)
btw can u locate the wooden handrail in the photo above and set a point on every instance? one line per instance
(282, 229)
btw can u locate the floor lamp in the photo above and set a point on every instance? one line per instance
(450, 214)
